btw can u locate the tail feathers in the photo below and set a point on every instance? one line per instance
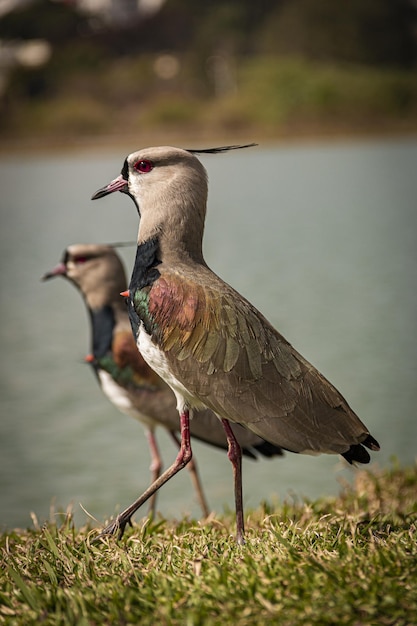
(357, 452)
(371, 443)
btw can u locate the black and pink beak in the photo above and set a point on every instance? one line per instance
(118, 184)
(58, 270)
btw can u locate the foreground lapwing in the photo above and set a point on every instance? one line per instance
(211, 346)
(125, 378)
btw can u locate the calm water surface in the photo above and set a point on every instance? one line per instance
(322, 238)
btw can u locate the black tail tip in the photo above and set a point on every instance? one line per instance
(371, 443)
(358, 454)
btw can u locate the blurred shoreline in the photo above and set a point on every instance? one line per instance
(191, 137)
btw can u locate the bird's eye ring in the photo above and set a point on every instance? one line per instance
(143, 167)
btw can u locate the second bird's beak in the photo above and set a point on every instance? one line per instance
(118, 184)
(59, 270)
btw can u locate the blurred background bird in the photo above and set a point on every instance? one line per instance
(125, 378)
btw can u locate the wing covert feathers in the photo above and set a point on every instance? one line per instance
(236, 363)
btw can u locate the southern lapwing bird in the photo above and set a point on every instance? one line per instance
(209, 343)
(125, 378)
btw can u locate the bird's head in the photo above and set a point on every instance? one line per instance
(169, 188)
(95, 269)
(152, 170)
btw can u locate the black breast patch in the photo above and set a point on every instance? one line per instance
(145, 270)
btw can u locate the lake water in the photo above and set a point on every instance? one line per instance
(322, 238)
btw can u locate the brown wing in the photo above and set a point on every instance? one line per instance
(229, 356)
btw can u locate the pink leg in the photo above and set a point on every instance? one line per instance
(155, 467)
(184, 456)
(234, 454)
(195, 479)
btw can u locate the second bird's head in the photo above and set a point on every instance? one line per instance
(95, 269)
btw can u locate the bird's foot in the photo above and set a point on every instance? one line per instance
(117, 527)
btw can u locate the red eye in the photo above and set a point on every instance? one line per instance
(80, 259)
(143, 166)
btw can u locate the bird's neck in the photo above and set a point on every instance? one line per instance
(177, 226)
(102, 326)
(181, 246)
(106, 320)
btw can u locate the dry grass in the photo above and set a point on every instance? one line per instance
(350, 560)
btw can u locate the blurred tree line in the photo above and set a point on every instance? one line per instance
(101, 66)
(358, 31)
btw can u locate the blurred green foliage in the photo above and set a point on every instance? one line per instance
(267, 63)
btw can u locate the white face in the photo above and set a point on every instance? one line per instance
(165, 173)
(81, 260)
(97, 271)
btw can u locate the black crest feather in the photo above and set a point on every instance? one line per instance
(220, 149)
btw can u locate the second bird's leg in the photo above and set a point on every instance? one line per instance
(183, 458)
(195, 479)
(155, 467)
(234, 454)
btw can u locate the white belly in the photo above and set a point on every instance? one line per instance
(120, 398)
(156, 359)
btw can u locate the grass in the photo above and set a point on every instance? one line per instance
(349, 560)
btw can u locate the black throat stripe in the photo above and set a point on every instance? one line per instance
(103, 322)
(145, 270)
